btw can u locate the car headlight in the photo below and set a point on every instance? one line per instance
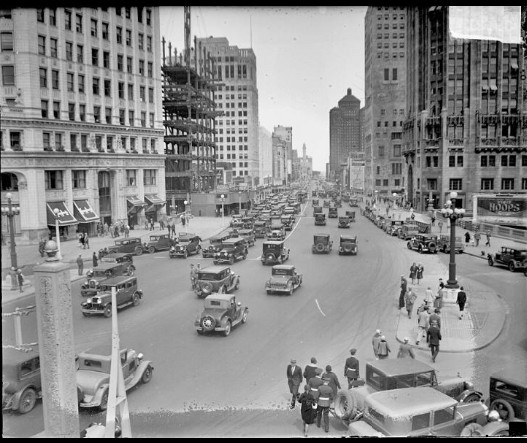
(89, 300)
(469, 385)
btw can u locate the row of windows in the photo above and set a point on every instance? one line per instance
(228, 131)
(230, 96)
(387, 45)
(485, 161)
(231, 122)
(233, 105)
(487, 184)
(233, 157)
(229, 139)
(385, 182)
(386, 54)
(68, 15)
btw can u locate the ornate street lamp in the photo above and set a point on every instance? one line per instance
(57, 233)
(452, 213)
(185, 215)
(222, 210)
(10, 212)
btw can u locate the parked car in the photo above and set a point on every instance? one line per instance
(220, 279)
(443, 244)
(333, 212)
(407, 232)
(220, 313)
(321, 244)
(284, 278)
(274, 252)
(423, 243)
(315, 202)
(344, 222)
(317, 210)
(93, 374)
(348, 245)
(132, 245)
(393, 227)
(236, 220)
(187, 244)
(260, 228)
(118, 257)
(287, 222)
(126, 293)
(412, 412)
(320, 220)
(215, 245)
(248, 235)
(158, 242)
(512, 258)
(104, 271)
(508, 393)
(21, 383)
(233, 249)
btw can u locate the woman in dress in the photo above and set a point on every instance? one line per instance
(308, 409)
(413, 272)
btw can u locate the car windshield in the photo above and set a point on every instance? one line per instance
(99, 272)
(348, 240)
(281, 271)
(215, 241)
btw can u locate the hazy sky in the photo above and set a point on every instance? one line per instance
(306, 59)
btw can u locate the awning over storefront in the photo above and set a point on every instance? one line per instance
(153, 199)
(64, 215)
(84, 212)
(134, 203)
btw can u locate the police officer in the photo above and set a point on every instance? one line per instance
(351, 368)
(315, 382)
(325, 397)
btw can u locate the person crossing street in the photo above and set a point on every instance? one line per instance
(325, 397)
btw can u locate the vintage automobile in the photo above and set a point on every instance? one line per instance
(287, 222)
(93, 374)
(326, 204)
(317, 210)
(344, 222)
(247, 222)
(220, 279)
(158, 242)
(118, 257)
(21, 384)
(406, 232)
(333, 212)
(315, 202)
(220, 313)
(260, 228)
(236, 220)
(321, 244)
(126, 293)
(274, 252)
(215, 245)
(508, 393)
(393, 227)
(420, 411)
(443, 244)
(284, 278)
(276, 231)
(248, 235)
(187, 244)
(351, 215)
(354, 202)
(423, 243)
(233, 249)
(132, 245)
(512, 258)
(348, 245)
(383, 375)
(104, 271)
(320, 220)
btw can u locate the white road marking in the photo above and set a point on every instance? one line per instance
(318, 306)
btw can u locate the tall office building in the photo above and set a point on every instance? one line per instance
(237, 96)
(467, 118)
(81, 134)
(344, 134)
(384, 111)
(285, 133)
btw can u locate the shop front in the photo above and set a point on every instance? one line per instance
(154, 204)
(86, 216)
(58, 212)
(134, 207)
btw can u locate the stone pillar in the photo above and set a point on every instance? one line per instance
(57, 353)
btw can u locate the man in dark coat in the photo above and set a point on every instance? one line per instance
(461, 300)
(294, 378)
(404, 284)
(95, 260)
(310, 369)
(315, 382)
(351, 368)
(325, 397)
(433, 337)
(334, 383)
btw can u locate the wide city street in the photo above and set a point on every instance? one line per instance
(342, 301)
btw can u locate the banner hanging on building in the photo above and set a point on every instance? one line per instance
(501, 23)
(510, 211)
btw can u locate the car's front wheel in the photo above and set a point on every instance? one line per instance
(409, 245)
(28, 400)
(227, 330)
(135, 299)
(512, 268)
(491, 262)
(151, 250)
(244, 316)
(108, 310)
(147, 374)
(139, 250)
(104, 401)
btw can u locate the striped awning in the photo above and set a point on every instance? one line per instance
(84, 212)
(64, 216)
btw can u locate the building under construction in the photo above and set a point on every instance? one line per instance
(189, 121)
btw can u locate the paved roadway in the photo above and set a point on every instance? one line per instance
(342, 301)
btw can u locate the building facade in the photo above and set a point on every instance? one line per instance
(81, 133)
(344, 134)
(280, 160)
(466, 129)
(285, 133)
(266, 156)
(385, 95)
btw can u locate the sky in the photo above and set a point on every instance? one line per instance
(306, 59)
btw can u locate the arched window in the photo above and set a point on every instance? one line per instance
(9, 181)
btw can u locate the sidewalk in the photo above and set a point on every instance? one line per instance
(28, 256)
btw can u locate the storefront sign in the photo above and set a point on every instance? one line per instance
(502, 210)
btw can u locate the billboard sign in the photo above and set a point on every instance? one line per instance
(502, 210)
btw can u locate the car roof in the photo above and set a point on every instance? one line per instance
(218, 296)
(245, 231)
(233, 240)
(273, 242)
(13, 356)
(400, 366)
(514, 375)
(103, 350)
(285, 267)
(214, 269)
(348, 237)
(320, 234)
(408, 402)
(118, 280)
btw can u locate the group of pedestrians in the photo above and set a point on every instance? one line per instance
(476, 238)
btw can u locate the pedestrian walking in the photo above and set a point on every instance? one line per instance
(404, 284)
(440, 225)
(183, 220)
(161, 225)
(310, 370)
(325, 397)
(438, 302)
(435, 318)
(419, 273)
(413, 272)
(105, 229)
(315, 382)
(383, 348)
(375, 342)
(294, 378)
(151, 224)
(487, 234)
(409, 300)
(351, 368)
(146, 224)
(80, 264)
(308, 410)
(126, 231)
(429, 296)
(423, 322)
(433, 337)
(477, 237)
(405, 350)
(174, 228)
(86, 241)
(20, 280)
(334, 383)
(81, 241)
(95, 260)
(461, 300)
(467, 238)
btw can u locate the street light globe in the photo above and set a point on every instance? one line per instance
(449, 202)
(9, 195)
(453, 194)
(56, 211)
(222, 196)
(186, 202)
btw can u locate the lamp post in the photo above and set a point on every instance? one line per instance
(376, 194)
(185, 215)
(452, 213)
(240, 202)
(222, 210)
(57, 233)
(10, 212)
(394, 200)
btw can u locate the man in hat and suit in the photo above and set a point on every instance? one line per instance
(310, 369)
(351, 368)
(294, 378)
(405, 350)
(325, 397)
(315, 382)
